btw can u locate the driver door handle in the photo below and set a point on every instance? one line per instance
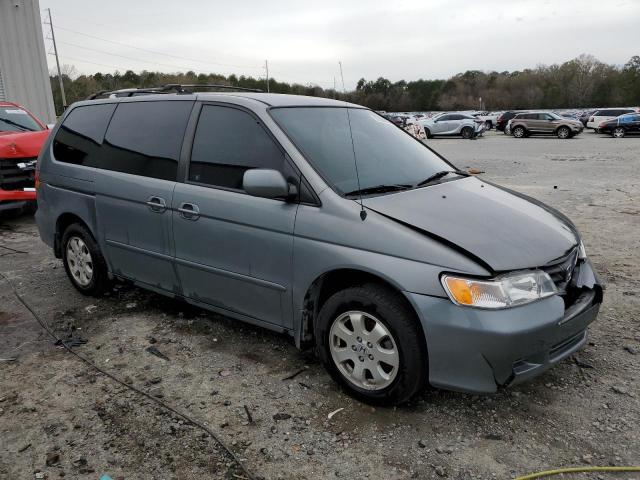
(157, 204)
(189, 211)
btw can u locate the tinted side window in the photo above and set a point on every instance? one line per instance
(145, 138)
(228, 142)
(80, 136)
(444, 118)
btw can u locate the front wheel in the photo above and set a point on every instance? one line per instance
(519, 132)
(563, 133)
(370, 341)
(428, 133)
(618, 132)
(83, 261)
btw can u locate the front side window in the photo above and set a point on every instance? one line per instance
(145, 138)
(15, 119)
(385, 154)
(227, 143)
(79, 138)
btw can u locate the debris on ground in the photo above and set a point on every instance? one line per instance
(154, 351)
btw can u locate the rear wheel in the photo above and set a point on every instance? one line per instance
(466, 132)
(369, 340)
(83, 261)
(519, 132)
(563, 132)
(619, 132)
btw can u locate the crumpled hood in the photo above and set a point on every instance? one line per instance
(22, 144)
(503, 230)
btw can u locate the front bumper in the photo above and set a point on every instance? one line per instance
(474, 350)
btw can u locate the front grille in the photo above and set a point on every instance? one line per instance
(561, 271)
(14, 178)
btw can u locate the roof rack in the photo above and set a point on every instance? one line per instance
(164, 89)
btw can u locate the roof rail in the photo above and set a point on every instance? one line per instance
(164, 89)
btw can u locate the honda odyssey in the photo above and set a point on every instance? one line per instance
(321, 220)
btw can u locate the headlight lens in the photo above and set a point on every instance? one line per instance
(509, 290)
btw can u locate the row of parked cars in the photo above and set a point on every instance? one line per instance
(617, 122)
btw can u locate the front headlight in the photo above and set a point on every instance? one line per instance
(508, 290)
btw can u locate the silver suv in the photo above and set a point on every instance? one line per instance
(452, 124)
(321, 220)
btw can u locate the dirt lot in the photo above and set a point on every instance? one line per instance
(56, 410)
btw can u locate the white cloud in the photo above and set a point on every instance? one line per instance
(304, 41)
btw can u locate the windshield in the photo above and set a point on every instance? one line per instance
(14, 119)
(555, 115)
(385, 154)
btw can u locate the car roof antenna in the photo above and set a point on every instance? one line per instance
(363, 212)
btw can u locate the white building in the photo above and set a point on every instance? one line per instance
(24, 77)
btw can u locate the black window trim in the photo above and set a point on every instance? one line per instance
(117, 102)
(189, 138)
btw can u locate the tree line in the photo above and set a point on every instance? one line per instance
(579, 83)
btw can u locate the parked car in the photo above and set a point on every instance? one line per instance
(584, 116)
(606, 114)
(503, 118)
(285, 212)
(489, 118)
(621, 126)
(21, 137)
(543, 123)
(449, 124)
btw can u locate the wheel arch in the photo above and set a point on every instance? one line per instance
(332, 281)
(62, 223)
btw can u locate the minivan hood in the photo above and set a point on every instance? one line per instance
(504, 230)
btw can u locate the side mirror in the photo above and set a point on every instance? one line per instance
(267, 183)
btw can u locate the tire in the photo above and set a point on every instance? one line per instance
(386, 316)
(618, 132)
(466, 132)
(563, 133)
(489, 125)
(427, 132)
(81, 255)
(519, 132)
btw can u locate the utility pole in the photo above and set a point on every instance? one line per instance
(55, 50)
(334, 87)
(266, 66)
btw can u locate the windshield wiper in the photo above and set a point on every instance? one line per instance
(440, 174)
(378, 189)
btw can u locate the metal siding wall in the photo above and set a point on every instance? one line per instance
(23, 58)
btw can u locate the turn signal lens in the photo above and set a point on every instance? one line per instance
(459, 289)
(508, 290)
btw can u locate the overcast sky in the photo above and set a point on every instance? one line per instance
(304, 41)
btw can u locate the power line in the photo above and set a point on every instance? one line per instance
(104, 52)
(155, 52)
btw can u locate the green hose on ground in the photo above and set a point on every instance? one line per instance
(548, 473)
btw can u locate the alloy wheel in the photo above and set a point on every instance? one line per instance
(618, 132)
(363, 350)
(563, 132)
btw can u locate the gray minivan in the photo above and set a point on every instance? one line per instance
(322, 220)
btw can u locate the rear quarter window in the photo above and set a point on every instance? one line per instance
(80, 136)
(145, 138)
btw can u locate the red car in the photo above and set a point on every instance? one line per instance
(21, 138)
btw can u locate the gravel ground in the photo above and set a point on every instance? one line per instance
(61, 418)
